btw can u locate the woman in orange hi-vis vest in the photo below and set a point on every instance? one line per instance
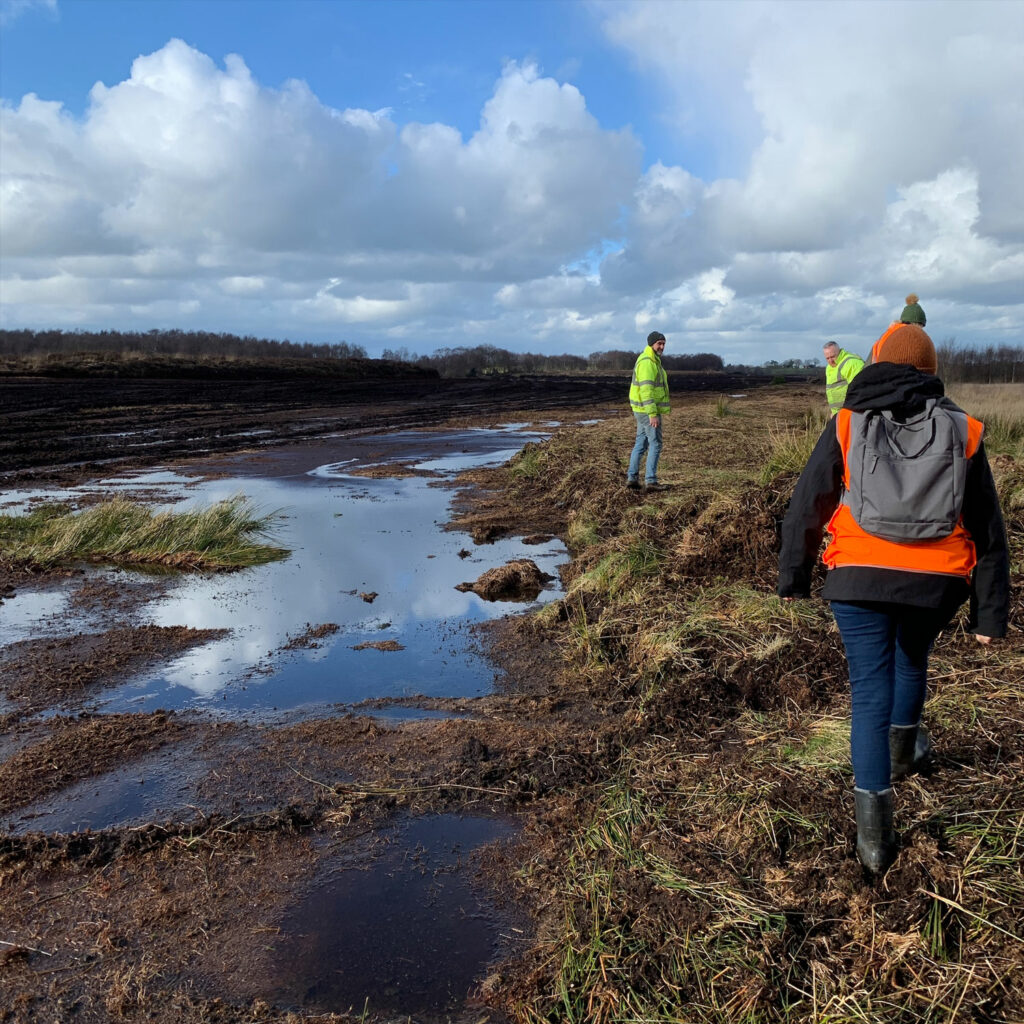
(891, 591)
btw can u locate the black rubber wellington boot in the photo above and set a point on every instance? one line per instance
(910, 750)
(876, 838)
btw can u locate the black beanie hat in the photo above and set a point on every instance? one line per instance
(655, 336)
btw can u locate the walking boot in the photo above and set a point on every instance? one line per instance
(910, 750)
(876, 838)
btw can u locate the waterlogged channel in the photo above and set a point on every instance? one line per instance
(369, 556)
(397, 918)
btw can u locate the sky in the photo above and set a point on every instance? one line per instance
(750, 177)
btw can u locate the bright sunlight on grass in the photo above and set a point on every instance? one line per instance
(221, 536)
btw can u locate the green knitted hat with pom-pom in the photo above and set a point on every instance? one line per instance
(912, 312)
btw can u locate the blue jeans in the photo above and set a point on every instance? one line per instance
(648, 439)
(887, 648)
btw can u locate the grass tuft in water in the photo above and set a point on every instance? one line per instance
(220, 536)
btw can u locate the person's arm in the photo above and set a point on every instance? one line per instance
(983, 519)
(815, 499)
(854, 364)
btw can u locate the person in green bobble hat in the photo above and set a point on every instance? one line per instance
(912, 312)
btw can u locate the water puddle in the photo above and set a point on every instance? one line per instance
(401, 928)
(155, 788)
(369, 556)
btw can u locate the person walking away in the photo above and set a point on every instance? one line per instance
(648, 398)
(841, 367)
(900, 481)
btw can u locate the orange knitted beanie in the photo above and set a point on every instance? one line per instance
(908, 344)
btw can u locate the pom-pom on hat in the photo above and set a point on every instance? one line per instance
(908, 344)
(912, 312)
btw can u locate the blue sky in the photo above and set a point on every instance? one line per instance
(545, 175)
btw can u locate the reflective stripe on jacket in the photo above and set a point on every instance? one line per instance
(852, 545)
(838, 377)
(648, 391)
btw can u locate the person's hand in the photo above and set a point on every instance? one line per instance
(788, 599)
(654, 421)
(982, 639)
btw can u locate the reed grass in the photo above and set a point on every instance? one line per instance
(224, 535)
(788, 447)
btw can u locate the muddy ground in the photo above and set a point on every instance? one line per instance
(183, 918)
(175, 920)
(66, 429)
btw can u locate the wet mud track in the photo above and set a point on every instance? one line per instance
(219, 898)
(69, 427)
(187, 869)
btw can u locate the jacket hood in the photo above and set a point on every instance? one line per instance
(892, 386)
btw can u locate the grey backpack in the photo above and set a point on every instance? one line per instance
(907, 479)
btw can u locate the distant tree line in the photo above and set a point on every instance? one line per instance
(489, 359)
(1000, 364)
(956, 363)
(170, 342)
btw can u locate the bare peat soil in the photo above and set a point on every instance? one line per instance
(66, 429)
(658, 757)
(174, 919)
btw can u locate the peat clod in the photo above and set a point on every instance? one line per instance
(518, 580)
(311, 637)
(735, 536)
(378, 645)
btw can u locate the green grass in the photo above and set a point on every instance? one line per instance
(582, 533)
(619, 569)
(529, 463)
(220, 536)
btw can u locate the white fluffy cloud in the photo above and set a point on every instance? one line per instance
(857, 151)
(194, 183)
(874, 149)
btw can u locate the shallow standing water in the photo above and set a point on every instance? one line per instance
(406, 933)
(349, 536)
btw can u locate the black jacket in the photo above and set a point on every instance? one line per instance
(904, 390)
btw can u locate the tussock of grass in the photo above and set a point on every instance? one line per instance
(582, 534)
(789, 447)
(723, 407)
(640, 560)
(220, 536)
(528, 463)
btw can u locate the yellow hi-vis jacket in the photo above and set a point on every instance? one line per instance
(838, 377)
(648, 392)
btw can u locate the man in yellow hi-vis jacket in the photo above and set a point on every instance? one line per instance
(842, 367)
(648, 398)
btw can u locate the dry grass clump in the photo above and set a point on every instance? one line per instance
(219, 536)
(711, 876)
(725, 883)
(788, 446)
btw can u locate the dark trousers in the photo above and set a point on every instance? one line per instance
(887, 648)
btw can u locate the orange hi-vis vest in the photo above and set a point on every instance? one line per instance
(850, 545)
